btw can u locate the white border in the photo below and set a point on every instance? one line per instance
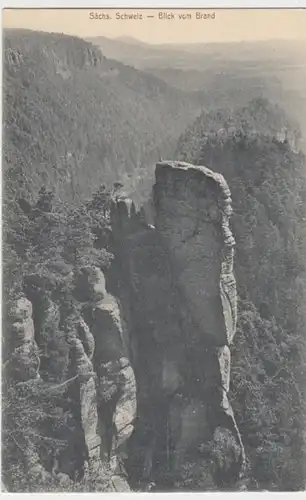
(227, 4)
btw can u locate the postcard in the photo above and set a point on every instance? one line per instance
(154, 235)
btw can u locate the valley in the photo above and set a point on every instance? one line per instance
(154, 274)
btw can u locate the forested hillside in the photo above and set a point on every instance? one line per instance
(268, 185)
(49, 248)
(91, 305)
(223, 74)
(74, 119)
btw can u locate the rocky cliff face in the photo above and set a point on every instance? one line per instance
(179, 279)
(149, 368)
(193, 206)
(105, 385)
(24, 360)
(100, 385)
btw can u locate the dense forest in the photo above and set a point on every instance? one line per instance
(268, 185)
(80, 130)
(68, 109)
(48, 246)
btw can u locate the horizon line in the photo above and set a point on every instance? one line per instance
(152, 44)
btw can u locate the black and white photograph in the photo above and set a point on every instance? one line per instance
(153, 250)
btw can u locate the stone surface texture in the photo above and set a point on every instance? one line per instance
(178, 285)
(24, 360)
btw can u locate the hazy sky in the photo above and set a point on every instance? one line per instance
(228, 24)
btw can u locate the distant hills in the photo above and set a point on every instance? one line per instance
(74, 117)
(226, 74)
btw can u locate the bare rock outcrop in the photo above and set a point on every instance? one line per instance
(177, 278)
(24, 359)
(87, 399)
(193, 207)
(87, 338)
(116, 385)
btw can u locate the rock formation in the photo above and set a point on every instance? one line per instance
(178, 277)
(193, 206)
(101, 381)
(150, 361)
(116, 385)
(24, 360)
